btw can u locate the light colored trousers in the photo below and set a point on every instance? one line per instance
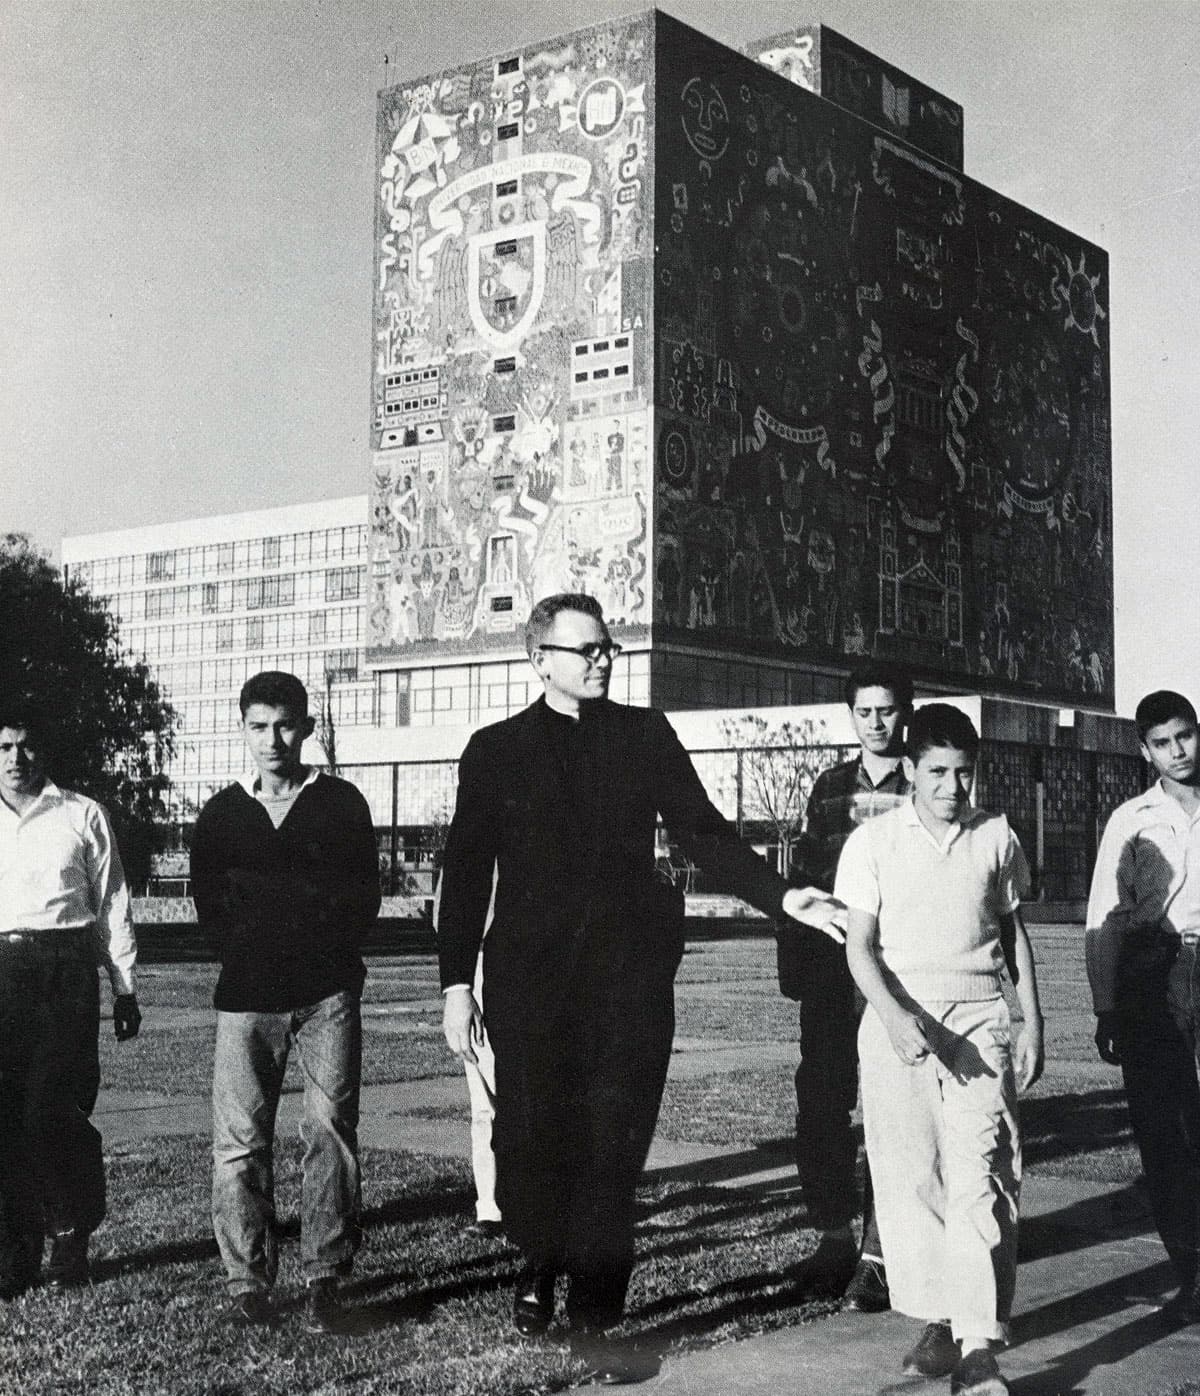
(481, 1085)
(945, 1156)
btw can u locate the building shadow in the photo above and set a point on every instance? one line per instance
(1108, 1216)
(1065, 1374)
(1072, 1123)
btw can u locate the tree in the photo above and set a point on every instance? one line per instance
(108, 726)
(326, 728)
(777, 767)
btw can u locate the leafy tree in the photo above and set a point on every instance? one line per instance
(778, 766)
(108, 727)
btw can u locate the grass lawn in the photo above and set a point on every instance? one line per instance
(714, 1262)
(433, 1304)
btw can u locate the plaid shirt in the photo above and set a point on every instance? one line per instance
(843, 798)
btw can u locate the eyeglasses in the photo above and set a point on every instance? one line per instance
(590, 654)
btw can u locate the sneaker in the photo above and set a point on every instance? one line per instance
(252, 1308)
(934, 1355)
(867, 1292)
(68, 1262)
(323, 1312)
(977, 1375)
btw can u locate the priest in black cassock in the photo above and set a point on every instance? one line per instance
(562, 801)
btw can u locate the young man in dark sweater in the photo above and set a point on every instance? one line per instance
(813, 970)
(286, 880)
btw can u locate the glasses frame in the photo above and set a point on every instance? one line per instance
(609, 649)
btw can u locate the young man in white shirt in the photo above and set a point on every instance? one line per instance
(1143, 957)
(932, 891)
(64, 906)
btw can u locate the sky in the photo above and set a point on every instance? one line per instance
(186, 194)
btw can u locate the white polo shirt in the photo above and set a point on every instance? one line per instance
(938, 904)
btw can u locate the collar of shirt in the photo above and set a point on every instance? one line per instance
(48, 795)
(249, 783)
(868, 782)
(908, 813)
(1157, 798)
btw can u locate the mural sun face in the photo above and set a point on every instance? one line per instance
(1083, 309)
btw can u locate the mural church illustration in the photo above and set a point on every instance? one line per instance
(730, 341)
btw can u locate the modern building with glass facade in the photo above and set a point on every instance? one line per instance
(207, 602)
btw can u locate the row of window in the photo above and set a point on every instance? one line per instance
(179, 564)
(211, 677)
(253, 594)
(165, 642)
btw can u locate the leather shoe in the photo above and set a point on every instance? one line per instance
(867, 1292)
(612, 1361)
(1186, 1305)
(252, 1308)
(68, 1262)
(977, 1375)
(323, 1312)
(20, 1261)
(533, 1303)
(935, 1354)
(486, 1228)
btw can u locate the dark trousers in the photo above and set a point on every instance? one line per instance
(1158, 1041)
(813, 969)
(575, 1114)
(51, 1162)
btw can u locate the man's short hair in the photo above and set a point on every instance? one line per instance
(1159, 707)
(876, 673)
(276, 689)
(21, 715)
(940, 724)
(541, 618)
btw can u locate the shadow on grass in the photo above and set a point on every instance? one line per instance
(1072, 1123)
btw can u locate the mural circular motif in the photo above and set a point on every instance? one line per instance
(601, 108)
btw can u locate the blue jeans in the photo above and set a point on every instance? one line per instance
(248, 1067)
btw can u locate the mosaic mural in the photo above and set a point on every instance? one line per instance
(821, 60)
(882, 396)
(511, 384)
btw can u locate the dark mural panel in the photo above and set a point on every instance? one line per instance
(822, 61)
(883, 400)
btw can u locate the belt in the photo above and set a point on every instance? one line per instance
(57, 935)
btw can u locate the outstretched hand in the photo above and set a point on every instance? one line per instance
(462, 1022)
(813, 907)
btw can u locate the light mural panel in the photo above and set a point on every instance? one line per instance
(511, 385)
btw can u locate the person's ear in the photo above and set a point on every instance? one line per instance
(910, 770)
(310, 724)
